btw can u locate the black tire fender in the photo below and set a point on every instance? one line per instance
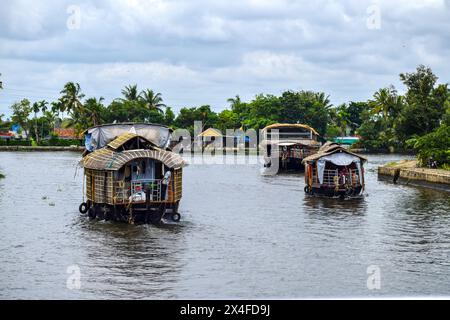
(83, 208)
(349, 191)
(176, 217)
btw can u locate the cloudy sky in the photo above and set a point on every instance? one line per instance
(203, 52)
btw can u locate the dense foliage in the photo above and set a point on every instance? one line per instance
(385, 121)
(434, 145)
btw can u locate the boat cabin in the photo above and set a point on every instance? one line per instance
(288, 144)
(132, 179)
(335, 172)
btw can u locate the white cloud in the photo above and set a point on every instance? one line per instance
(198, 52)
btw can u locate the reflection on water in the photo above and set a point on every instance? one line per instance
(330, 206)
(145, 256)
(242, 235)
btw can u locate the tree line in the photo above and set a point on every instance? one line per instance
(418, 119)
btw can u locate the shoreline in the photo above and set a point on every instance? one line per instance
(406, 172)
(42, 148)
(252, 150)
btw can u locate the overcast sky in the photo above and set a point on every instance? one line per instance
(203, 52)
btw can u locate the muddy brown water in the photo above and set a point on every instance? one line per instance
(242, 235)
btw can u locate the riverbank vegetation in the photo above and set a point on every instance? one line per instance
(419, 119)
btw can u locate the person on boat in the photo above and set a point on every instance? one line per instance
(165, 183)
(344, 174)
(284, 158)
(355, 177)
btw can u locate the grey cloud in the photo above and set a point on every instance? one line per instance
(197, 52)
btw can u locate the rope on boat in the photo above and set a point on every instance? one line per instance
(84, 178)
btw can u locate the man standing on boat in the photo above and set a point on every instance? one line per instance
(344, 174)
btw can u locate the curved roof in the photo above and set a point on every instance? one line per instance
(330, 148)
(126, 123)
(124, 138)
(98, 137)
(290, 125)
(107, 159)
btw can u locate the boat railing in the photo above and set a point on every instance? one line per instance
(154, 185)
(135, 191)
(331, 177)
(354, 177)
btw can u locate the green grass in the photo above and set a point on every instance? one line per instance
(391, 164)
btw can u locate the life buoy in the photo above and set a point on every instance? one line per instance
(176, 217)
(83, 208)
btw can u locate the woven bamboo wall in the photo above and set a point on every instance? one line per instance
(99, 186)
(178, 184)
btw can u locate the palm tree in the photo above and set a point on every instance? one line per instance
(50, 118)
(56, 110)
(93, 109)
(130, 93)
(70, 100)
(234, 102)
(380, 103)
(239, 108)
(342, 119)
(36, 107)
(386, 102)
(43, 110)
(152, 100)
(323, 100)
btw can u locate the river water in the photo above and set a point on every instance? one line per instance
(242, 235)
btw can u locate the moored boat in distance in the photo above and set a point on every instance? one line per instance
(288, 144)
(334, 171)
(130, 174)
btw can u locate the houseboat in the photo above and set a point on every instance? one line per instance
(334, 171)
(130, 174)
(286, 145)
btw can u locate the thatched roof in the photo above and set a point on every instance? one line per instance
(329, 148)
(290, 125)
(110, 160)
